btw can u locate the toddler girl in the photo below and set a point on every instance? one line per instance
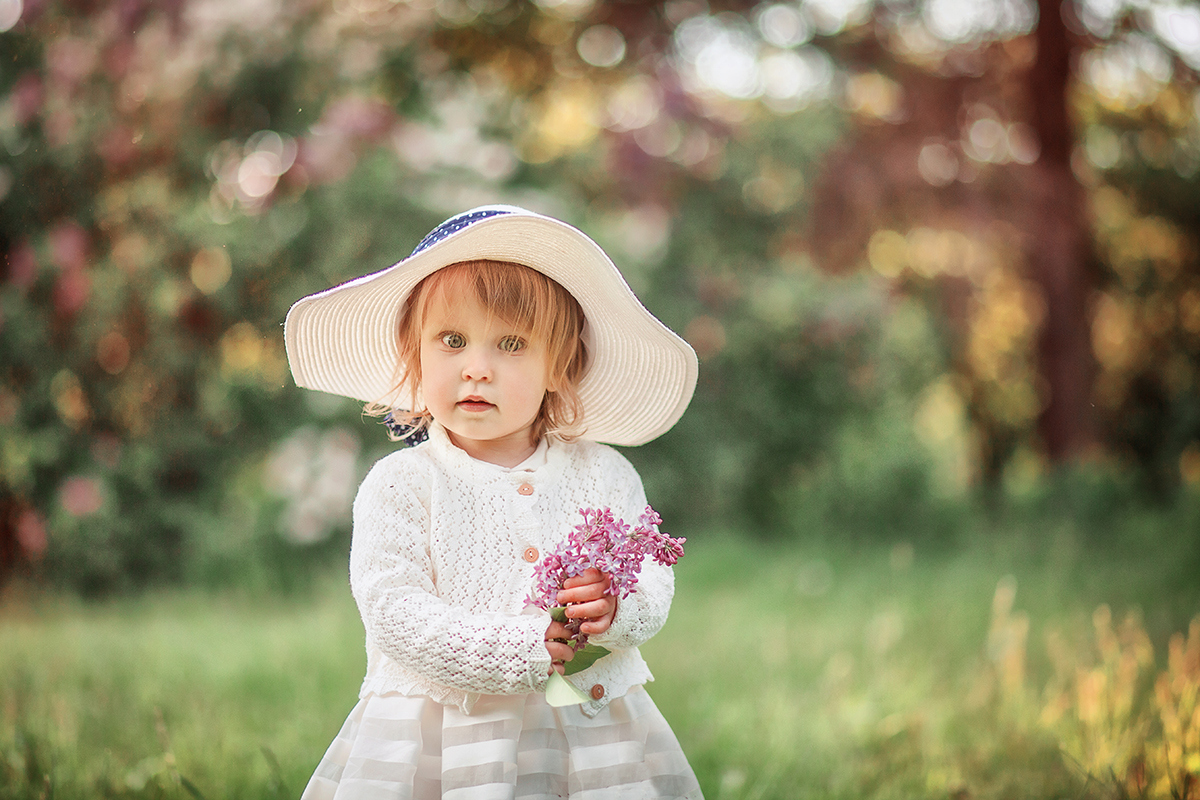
(509, 343)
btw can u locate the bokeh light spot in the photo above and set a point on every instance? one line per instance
(241, 348)
(723, 53)
(634, 104)
(211, 269)
(888, 253)
(783, 25)
(81, 496)
(112, 352)
(565, 120)
(659, 139)
(10, 13)
(1114, 337)
(793, 78)
(31, 533)
(937, 164)
(707, 335)
(1128, 73)
(1023, 143)
(1179, 26)
(571, 9)
(316, 475)
(832, 16)
(70, 401)
(959, 21)
(601, 46)
(874, 95)
(988, 139)
(1102, 147)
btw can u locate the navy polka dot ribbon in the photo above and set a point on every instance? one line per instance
(410, 434)
(454, 225)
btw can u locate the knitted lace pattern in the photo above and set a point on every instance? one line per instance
(439, 569)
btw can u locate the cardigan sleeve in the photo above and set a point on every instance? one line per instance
(391, 577)
(643, 613)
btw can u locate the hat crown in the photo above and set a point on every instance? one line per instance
(456, 224)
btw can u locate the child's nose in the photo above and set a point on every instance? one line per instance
(478, 367)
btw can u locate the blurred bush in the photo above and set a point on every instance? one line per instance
(1128, 725)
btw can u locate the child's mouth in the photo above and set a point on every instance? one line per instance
(474, 404)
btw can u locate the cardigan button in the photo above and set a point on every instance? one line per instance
(597, 692)
(525, 489)
(530, 554)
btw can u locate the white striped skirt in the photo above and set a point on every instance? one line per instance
(508, 747)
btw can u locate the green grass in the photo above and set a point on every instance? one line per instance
(831, 671)
(132, 698)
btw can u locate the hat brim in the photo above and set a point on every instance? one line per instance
(640, 375)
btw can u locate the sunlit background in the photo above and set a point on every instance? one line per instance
(939, 260)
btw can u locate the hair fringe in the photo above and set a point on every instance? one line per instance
(519, 295)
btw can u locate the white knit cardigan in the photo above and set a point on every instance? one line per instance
(439, 569)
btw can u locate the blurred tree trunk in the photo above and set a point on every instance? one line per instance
(873, 182)
(1058, 247)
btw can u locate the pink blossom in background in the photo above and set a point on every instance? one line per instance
(28, 96)
(31, 533)
(69, 244)
(118, 57)
(356, 118)
(71, 292)
(315, 473)
(329, 152)
(59, 127)
(325, 158)
(71, 60)
(22, 266)
(81, 496)
(118, 146)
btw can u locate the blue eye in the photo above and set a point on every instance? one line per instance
(512, 344)
(453, 340)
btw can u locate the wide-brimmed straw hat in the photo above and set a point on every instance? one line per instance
(639, 377)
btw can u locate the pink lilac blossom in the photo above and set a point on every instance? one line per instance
(609, 545)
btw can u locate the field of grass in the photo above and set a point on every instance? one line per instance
(832, 671)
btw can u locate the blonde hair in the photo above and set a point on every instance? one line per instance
(538, 306)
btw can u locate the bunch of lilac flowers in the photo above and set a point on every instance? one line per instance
(609, 545)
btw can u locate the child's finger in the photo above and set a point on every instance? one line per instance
(559, 651)
(591, 610)
(557, 630)
(588, 576)
(574, 592)
(581, 594)
(596, 627)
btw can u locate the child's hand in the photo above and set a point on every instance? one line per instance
(586, 598)
(557, 646)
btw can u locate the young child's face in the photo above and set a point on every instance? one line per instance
(482, 379)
